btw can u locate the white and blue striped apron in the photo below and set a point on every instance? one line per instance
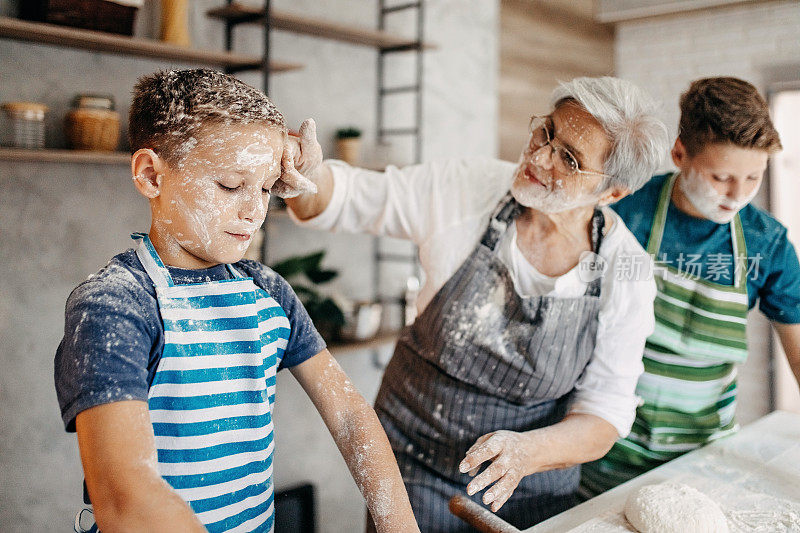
(212, 396)
(482, 358)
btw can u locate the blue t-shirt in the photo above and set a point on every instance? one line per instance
(703, 248)
(114, 336)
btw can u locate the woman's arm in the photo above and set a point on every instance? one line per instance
(118, 453)
(579, 438)
(308, 205)
(790, 340)
(411, 203)
(361, 441)
(303, 156)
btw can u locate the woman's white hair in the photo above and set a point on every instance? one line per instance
(628, 114)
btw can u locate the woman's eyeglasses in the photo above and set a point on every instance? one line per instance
(564, 162)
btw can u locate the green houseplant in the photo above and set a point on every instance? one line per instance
(304, 273)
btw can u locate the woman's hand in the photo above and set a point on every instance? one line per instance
(512, 456)
(579, 438)
(302, 157)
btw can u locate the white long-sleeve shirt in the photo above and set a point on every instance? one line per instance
(444, 208)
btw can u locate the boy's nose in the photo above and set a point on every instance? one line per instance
(736, 190)
(253, 207)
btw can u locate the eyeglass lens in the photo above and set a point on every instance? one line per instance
(541, 134)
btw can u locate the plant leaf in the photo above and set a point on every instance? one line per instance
(300, 264)
(321, 276)
(330, 312)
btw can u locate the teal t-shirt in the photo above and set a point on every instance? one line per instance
(703, 248)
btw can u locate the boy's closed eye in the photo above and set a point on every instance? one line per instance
(232, 185)
(228, 187)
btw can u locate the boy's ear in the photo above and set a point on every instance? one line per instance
(679, 153)
(147, 168)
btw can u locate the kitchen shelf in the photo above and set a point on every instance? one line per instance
(282, 20)
(65, 156)
(51, 155)
(377, 341)
(37, 32)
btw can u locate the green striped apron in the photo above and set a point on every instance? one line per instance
(688, 387)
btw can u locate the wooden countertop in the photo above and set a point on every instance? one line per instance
(753, 475)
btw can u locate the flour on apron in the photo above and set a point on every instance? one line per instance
(212, 396)
(689, 380)
(482, 358)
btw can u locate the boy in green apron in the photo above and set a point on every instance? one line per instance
(167, 370)
(716, 256)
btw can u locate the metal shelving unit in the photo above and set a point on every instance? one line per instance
(414, 89)
(234, 14)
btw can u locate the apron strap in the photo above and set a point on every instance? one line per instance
(235, 273)
(506, 211)
(739, 254)
(737, 234)
(598, 227)
(660, 217)
(152, 263)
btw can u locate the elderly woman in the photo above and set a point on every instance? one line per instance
(537, 302)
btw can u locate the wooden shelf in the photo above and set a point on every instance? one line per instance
(65, 156)
(282, 20)
(52, 155)
(381, 339)
(37, 32)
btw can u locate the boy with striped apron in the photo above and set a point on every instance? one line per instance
(456, 376)
(212, 396)
(688, 388)
(717, 256)
(167, 374)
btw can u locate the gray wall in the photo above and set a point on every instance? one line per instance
(61, 222)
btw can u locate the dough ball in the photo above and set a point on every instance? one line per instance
(674, 508)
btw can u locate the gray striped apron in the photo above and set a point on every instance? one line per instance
(482, 358)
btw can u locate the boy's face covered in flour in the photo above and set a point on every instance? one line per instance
(211, 203)
(721, 179)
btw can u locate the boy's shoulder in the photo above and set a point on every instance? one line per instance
(262, 275)
(124, 281)
(123, 275)
(646, 196)
(761, 229)
(272, 283)
(637, 210)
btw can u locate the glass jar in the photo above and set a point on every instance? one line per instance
(26, 124)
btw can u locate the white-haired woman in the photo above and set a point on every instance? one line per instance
(537, 302)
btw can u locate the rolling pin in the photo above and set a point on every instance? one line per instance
(479, 517)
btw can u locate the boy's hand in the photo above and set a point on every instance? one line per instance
(301, 158)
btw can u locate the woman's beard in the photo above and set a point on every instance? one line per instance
(553, 200)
